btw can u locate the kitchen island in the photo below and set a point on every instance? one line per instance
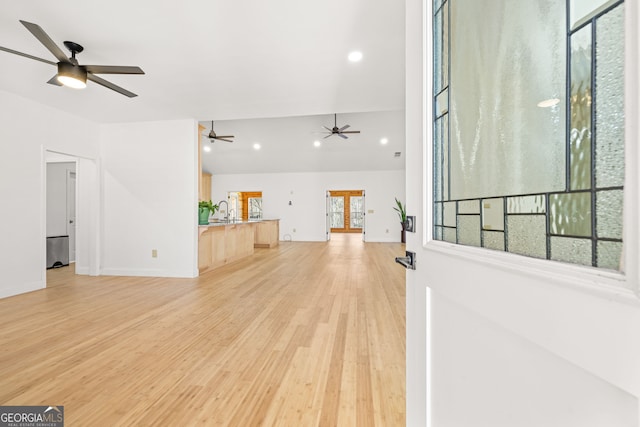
(221, 243)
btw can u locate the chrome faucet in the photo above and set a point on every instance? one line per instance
(232, 217)
(226, 218)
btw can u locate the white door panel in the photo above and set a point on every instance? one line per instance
(495, 339)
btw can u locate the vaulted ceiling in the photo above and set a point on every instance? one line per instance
(217, 59)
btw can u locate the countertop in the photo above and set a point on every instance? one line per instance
(224, 223)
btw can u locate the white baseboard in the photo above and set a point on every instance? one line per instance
(6, 292)
(146, 272)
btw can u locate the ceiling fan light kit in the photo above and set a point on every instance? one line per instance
(70, 73)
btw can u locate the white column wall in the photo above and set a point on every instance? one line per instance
(149, 198)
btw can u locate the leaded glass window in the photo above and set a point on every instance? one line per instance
(528, 127)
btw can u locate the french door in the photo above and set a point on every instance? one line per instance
(346, 211)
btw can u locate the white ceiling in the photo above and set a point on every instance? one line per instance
(217, 59)
(287, 144)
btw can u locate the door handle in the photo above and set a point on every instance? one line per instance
(408, 261)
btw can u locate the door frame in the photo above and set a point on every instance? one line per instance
(87, 211)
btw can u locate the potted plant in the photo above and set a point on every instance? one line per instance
(205, 209)
(402, 213)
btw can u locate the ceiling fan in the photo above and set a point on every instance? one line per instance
(339, 131)
(70, 73)
(213, 136)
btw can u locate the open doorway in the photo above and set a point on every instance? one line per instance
(60, 211)
(69, 197)
(345, 212)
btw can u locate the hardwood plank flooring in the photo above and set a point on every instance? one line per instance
(304, 334)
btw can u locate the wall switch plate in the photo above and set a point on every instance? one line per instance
(154, 253)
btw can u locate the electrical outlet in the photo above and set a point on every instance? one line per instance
(294, 230)
(387, 230)
(154, 253)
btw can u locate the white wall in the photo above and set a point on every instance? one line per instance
(149, 198)
(306, 191)
(27, 129)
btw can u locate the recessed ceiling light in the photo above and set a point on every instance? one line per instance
(548, 103)
(206, 148)
(355, 56)
(256, 146)
(384, 141)
(316, 143)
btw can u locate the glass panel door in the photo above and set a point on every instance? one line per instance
(356, 212)
(337, 212)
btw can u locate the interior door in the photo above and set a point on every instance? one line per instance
(71, 214)
(498, 339)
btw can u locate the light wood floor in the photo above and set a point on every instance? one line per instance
(305, 334)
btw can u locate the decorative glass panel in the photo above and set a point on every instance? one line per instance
(567, 249)
(469, 207)
(437, 214)
(493, 240)
(450, 214)
(445, 158)
(437, 52)
(499, 74)
(609, 213)
(581, 109)
(609, 254)
(442, 103)
(570, 214)
(527, 235)
(609, 99)
(469, 230)
(509, 143)
(437, 161)
(526, 204)
(493, 214)
(450, 235)
(445, 45)
(437, 233)
(582, 10)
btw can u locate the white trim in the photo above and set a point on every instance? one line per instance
(631, 236)
(147, 272)
(22, 288)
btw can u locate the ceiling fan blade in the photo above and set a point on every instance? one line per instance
(224, 136)
(39, 33)
(113, 69)
(110, 85)
(351, 131)
(15, 52)
(344, 127)
(54, 81)
(328, 136)
(219, 138)
(343, 136)
(328, 129)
